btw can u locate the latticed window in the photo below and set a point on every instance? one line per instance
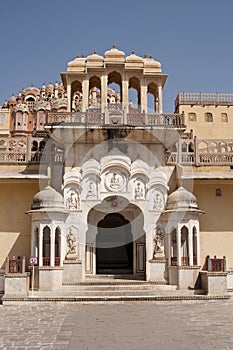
(192, 117)
(208, 117)
(224, 117)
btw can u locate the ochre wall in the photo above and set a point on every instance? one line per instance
(15, 225)
(209, 130)
(216, 225)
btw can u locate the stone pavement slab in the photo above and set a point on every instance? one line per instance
(123, 326)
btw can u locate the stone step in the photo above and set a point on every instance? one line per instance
(112, 299)
(117, 287)
(113, 293)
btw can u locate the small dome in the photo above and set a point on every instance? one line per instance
(95, 57)
(114, 53)
(12, 100)
(134, 58)
(77, 63)
(151, 63)
(47, 198)
(181, 199)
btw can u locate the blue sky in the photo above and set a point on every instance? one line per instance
(192, 40)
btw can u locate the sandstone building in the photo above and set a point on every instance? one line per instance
(94, 183)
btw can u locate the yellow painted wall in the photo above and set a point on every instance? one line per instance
(15, 225)
(216, 225)
(209, 130)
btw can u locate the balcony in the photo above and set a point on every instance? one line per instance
(116, 115)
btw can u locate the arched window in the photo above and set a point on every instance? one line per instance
(46, 246)
(218, 192)
(209, 117)
(192, 117)
(184, 246)
(152, 98)
(30, 101)
(194, 246)
(94, 92)
(115, 84)
(224, 117)
(134, 93)
(36, 242)
(57, 246)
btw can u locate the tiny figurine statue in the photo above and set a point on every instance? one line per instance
(73, 201)
(139, 193)
(72, 248)
(91, 190)
(158, 202)
(115, 182)
(158, 244)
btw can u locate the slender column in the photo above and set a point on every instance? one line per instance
(178, 245)
(169, 248)
(68, 95)
(190, 245)
(41, 246)
(85, 100)
(198, 245)
(160, 97)
(104, 92)
(143, 97)
(32, 240)
(125, 93)
(52, 245)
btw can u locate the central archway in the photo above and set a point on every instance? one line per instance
(114, 245)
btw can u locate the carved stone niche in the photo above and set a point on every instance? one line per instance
(90, 186)
(158, 199)
(72, 248)
(139, 188)
(72, 198)
(158, 240)
(115, 180)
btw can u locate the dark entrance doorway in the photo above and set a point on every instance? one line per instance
(114, 245)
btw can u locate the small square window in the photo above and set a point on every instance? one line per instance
(192, 117)
(224, 117)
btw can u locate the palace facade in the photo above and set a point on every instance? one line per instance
(93, 183)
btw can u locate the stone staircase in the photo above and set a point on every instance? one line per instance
(112, 288)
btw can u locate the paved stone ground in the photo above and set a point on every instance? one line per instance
(136, 326)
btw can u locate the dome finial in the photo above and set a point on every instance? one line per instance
(114, 46)
(151, 56)
(133, 53)
(94, 51)
(83, 55)
(145, 56)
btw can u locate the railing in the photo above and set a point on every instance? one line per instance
(201, 152)
(46, 261)
(216, 264)
(15, 265)
(134, 117)
(57, 261)
(187, 98)
(184, 261)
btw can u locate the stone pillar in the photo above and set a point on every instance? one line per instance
(52, 246)
(178, 245)
(125, 93)
(160, 97)
(85, 100)
(41, 246)
(68, 95)
(143, 96)
(198, 245)
(104, 92)
(169, 248)
(190, 246)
